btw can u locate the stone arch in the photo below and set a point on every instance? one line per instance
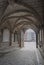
(31, 15)
(8, 16)
(25, 21)
(27, 8)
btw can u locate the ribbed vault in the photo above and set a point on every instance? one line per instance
(17, 17)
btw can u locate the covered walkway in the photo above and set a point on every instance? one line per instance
(16, 16)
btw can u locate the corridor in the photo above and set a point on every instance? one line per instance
(21, 32)
(22, 56)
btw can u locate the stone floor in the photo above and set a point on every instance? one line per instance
(23, 56)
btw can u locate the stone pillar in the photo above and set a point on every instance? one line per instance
(42, 37)
(36, 40)
(39, 38)
(19, 39)
(40, 41)
(14, 37)
(43, 40)
(10, 38)
(22, 38)
(0, 36)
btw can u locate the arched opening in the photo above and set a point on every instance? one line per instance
(30, 39)
(6, 35)
(6, 38)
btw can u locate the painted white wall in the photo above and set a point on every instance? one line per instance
(6, 35)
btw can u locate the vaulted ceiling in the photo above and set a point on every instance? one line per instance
(15, 14)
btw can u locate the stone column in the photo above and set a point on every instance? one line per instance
(19, 39)
(36, 40)
(43, 40)
(22, 38)
(39, 38)
(10, 38)
(14, 37)
(1, 36)
(42, 37)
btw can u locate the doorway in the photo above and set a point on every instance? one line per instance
(30, 39)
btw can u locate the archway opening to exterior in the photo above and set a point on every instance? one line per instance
(30, 39)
